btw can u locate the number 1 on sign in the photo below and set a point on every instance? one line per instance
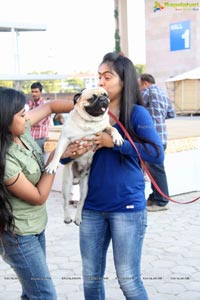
(186, 37)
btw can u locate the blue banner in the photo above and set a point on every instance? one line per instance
(180, 36)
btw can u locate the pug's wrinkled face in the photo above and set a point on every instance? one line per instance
(94, 101)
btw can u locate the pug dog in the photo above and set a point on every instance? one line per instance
(89, 116)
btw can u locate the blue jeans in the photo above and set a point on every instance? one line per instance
(127, 232)
(159, 175)
(41, 143)
(26, 255)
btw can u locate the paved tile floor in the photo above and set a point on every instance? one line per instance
(170, 261)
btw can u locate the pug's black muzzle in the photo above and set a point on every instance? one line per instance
(98, 105)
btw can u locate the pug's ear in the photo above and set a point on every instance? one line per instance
(76, 97)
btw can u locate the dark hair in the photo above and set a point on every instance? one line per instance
(131, 95)
(11, 102)
(147, 77)
(37, 85)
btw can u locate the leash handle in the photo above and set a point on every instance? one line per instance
(144, 165)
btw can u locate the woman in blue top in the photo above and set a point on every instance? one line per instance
(115, 207)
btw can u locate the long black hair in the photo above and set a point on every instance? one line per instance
(11, 102)
(131, 94)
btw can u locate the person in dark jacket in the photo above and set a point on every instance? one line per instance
(160, 108)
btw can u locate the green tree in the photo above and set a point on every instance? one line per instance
(6, 83)
(48, 85)
(117, 36)
(139, 69)
(55, 86)
(74, 85)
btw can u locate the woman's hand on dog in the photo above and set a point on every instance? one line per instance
(102, 139)
(80, 147)
(77, 148)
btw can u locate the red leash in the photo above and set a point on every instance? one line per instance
(144, 165)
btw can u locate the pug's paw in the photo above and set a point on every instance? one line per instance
(51, 168)
(68, 221)
(77, 221)
(117, 138)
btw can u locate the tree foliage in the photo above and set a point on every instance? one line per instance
(70, 85)
(6, 83)
(139, 69)
(74, 84)
(117, 35)
(54, 86)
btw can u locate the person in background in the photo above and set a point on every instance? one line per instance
(58, 119)
(24, 189)
(115, 206)
(40, 130)
(160, 108)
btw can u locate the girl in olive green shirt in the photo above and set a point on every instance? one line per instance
(24, 189)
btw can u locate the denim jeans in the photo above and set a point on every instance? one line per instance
(159, 175)
(126, 230)
(41, 143)
(26, 255)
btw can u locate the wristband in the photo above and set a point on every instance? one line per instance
(65, 161)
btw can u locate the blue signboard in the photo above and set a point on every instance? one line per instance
(180, 36)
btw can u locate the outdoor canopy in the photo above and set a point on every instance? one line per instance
(184, 91)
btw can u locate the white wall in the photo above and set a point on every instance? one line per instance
(183, 171)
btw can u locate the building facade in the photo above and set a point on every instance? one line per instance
(172, 38)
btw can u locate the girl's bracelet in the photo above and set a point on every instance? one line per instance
(65, 161)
